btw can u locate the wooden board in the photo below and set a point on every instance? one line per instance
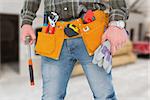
(123, 59)
(117, 61)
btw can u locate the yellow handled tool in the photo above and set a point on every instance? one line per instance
(75, 28)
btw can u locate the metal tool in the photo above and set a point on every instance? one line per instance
(28, 38)
(52, 18)
(45, 19)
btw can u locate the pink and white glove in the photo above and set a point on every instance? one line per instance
(116, 36)
(27, 30)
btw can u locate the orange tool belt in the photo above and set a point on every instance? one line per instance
(50, 45)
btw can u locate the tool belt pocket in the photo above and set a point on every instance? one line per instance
(92, 34)
(93, 31)
(45, 43)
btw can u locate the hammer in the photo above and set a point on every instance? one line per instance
(30, 64)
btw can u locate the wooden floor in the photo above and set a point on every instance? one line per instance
(131, 83)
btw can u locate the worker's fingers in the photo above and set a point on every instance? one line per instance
(118, 46)
(113, 50)
(32, 35)
(104, 38)
(31, 42)
(123, 43)
(23, 38)
(27, 30)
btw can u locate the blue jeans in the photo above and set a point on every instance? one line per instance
(56, 73)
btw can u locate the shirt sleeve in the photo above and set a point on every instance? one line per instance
(28, 12)
(118, 10)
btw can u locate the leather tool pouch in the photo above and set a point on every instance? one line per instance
(92, 32)
(45, 43)
(49, 45)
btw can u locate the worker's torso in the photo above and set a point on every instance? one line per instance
(73, 8)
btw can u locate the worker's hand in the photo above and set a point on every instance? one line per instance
(27, 30)
(117, 37)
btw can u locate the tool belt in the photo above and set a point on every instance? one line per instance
(50, 45)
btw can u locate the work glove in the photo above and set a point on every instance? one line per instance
(116, 36)
(103, 57)
(27, 30)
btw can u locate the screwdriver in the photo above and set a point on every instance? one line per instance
(30, 64)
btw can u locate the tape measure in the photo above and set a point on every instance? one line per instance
(71, 30)
(73, 27)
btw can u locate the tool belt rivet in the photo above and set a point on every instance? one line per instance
(86, 29)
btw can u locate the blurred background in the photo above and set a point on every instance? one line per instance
(131, 64)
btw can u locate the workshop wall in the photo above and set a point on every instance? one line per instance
(14, 7)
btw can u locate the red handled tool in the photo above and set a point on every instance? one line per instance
(30, 64)
(52, 23)
(88, 17)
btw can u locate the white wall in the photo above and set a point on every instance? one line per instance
(144, 6)
(133, 23)
(147, 20)
(11, 6)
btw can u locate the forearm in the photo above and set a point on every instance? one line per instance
(28, 12)
(118, 10)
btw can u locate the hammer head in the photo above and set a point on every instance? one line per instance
(27, 39)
